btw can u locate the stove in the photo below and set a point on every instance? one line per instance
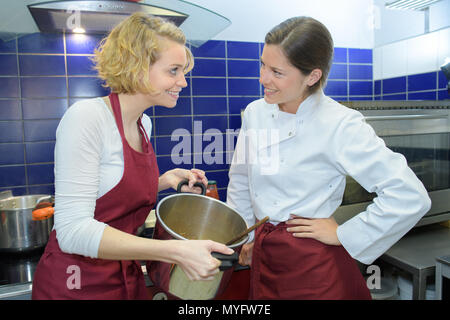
(16, 273)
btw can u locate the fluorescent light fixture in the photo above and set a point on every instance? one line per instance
(78, 30)
(410, 4)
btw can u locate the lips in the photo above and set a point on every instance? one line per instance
(173, 94)
(269, 92)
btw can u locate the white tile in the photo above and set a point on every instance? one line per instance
(443, 46)
(422, 53)
(377, 63)
(394, 60)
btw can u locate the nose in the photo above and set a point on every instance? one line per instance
(181, 82)
(263, 76)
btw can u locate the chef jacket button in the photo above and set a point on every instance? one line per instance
(290, 133)
(275, 203)
(273, 116)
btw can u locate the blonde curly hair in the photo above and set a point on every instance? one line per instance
(124, 57)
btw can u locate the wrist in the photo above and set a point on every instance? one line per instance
(165, 181)
(173, 251)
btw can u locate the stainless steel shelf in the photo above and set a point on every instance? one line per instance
(397, 105)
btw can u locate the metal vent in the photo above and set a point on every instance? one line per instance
(410, 4)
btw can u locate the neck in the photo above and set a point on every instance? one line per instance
(132, 107)
(292, 106)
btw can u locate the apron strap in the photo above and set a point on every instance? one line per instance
(115, 105)
(145, 139)
(255, 275)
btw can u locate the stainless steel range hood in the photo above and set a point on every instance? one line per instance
(100, 16)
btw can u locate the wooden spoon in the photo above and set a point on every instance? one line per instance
(256, 225)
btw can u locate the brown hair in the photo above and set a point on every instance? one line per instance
(124, 57)
(307, 44)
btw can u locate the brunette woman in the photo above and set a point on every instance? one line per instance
(294, 150)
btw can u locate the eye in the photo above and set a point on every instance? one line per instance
(277, 73)
(174, 71)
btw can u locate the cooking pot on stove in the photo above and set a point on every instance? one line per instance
(21, 229)
(187, 216)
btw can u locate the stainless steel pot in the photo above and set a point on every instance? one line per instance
(18, 230)
(188, 216)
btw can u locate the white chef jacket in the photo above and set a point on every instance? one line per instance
(297, 163)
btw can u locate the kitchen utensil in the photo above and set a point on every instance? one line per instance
(187, 216)
(256, 225)
(19, 230)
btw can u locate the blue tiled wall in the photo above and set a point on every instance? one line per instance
(41, 75)
(424, 86)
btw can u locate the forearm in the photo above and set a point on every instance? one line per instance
(165, 181)
(119, 245)
(193, 256)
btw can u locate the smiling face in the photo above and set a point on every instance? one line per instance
(283, 83)
(166, 75)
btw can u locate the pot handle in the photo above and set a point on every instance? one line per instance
(228, 260)
(197, 184)
(5, 194)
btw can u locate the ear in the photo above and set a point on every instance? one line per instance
(314, 76)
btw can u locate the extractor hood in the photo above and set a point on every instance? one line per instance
(100, 16)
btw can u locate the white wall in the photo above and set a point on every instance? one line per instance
(399, 52)
(349, 21)
(395, 25)
(420, 54)
(440, 15)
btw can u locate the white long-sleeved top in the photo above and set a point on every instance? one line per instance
(88, 163)
(297, 163)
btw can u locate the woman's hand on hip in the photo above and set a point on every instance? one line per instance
(321, 229)
(172, 178)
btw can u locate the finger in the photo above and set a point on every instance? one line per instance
(201, 176)
(309, 235)
(219, 247)
(300, 221)
(192, 179)
(215, 266)
(199, 172)
(300, 229)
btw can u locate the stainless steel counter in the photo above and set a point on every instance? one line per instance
(416, 253)
(442, 271)
(18, 291)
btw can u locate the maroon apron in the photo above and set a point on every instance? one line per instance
(285, 267)
(125, 207)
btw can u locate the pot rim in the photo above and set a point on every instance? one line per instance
(179, 237)
(22, 196)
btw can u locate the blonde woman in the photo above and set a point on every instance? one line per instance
(106, 176)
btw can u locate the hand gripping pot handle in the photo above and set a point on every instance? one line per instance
(197, 184)
(228, 260)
